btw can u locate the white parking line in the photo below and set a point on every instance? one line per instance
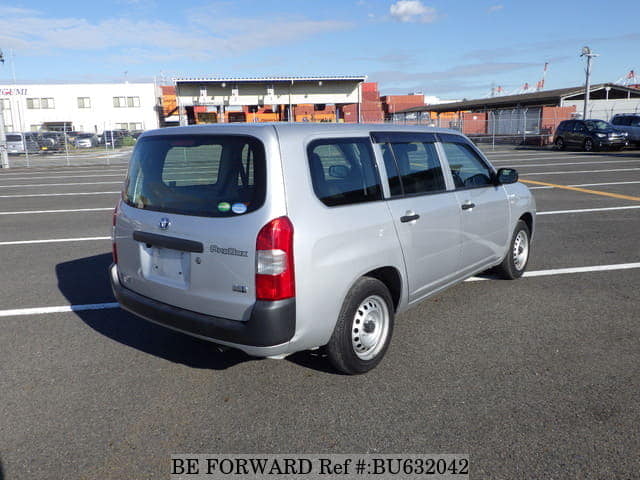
(56, 184)
(56, 194)
(58, 211)
(581, 171)
(112, 305)
(564, 271)
(586, 185)
(567, 157)
(59, 309)
(578, 163)
(57, 177)
(66, 170)
(587, 210)
(55, 240)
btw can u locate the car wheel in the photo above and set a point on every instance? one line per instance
(364, 328)
(589, 145)
(515, 262)
(560, 143)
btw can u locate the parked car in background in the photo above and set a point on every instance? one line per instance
(53, 141)
(113, 138)
(589, 135)
(276, 238)
(136, 133)
(28, 142)
(630, 123)
(86, 140)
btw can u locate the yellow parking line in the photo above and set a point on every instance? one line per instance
(583, 190)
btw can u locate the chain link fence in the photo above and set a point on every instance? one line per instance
(534, 126)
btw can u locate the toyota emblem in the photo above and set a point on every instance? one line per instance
(164, 223)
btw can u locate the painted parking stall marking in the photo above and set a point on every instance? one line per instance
(55, 240)
(588, 210)
(584, 190)
(113, 305)
(72, 210)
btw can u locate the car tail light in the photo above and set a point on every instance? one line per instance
(274, 261)
(114, 248)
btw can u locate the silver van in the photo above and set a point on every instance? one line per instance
(18, 143)
(630, 123)
(276, 238)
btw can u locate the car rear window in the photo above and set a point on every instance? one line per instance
(201, 175)
(14, 138)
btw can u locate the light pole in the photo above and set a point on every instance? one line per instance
(4, 159)
(586, 52)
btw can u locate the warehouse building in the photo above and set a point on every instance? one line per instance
(282, 99)
(80, 107)
(527, 117)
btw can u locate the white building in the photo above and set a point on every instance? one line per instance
(80, 107)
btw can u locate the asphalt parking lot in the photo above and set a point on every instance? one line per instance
(536, 378)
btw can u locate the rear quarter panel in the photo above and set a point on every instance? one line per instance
(333, 246)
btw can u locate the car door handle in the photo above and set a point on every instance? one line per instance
(409, 218)
(468, 206)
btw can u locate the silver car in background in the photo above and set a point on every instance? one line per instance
(86, 140)
(630, 123)
(18, 143)
(277, 238)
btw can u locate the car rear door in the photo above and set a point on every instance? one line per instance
(426, 215)
(186, 232)
(483, 205)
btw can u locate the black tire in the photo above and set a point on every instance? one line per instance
(589, 146)
(509, 269)
(560, 143)
(353, 320)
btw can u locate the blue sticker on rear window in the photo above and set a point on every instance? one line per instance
(239, 208)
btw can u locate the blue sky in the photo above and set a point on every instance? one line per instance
(451, 49)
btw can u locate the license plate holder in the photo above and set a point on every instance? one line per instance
(169, 266)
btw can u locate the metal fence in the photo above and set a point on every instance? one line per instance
(518, 126)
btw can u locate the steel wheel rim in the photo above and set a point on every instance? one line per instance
(370, 327)
(520, 250)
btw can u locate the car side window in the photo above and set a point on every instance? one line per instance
(467, 168)
(413, 167)
(343, 171)
(579, 127)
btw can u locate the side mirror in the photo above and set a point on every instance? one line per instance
(506, 176)
(338, 171)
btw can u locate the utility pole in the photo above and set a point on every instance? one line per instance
(586, 52)
(4, 158)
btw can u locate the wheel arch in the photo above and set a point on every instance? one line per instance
(527, 218)
(392, 279)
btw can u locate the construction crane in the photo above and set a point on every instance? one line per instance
(525, 88)
(630, 78)
(540, 84)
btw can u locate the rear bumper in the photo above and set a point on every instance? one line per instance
(271, 324)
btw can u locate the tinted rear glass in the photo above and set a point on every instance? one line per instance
(14, 138)
(203, 175)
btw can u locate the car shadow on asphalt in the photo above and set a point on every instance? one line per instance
(86, 281)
